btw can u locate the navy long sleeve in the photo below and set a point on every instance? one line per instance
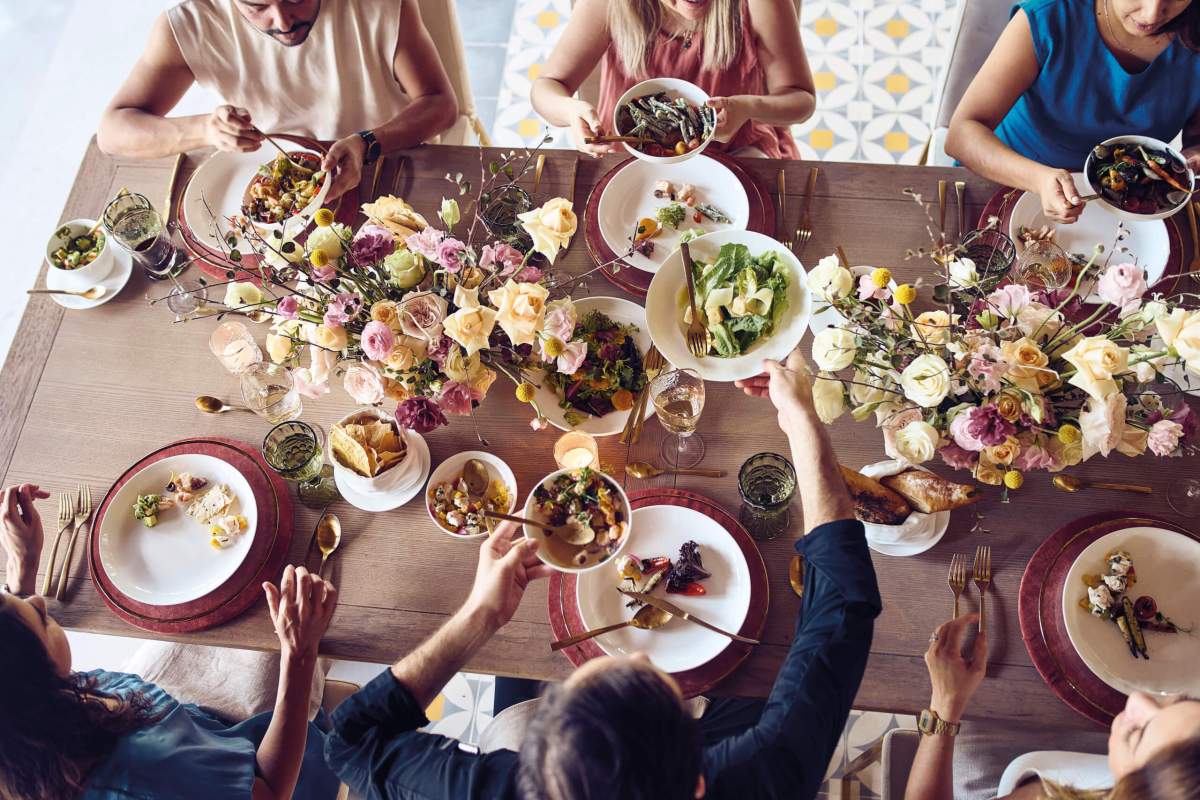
(376, 749)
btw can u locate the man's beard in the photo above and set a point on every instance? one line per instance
(305, 25)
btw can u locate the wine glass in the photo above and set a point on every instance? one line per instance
(270, 391)
(1043, 266)
(186, 298)
(678, 400)
(1183, 495)
(294, 450)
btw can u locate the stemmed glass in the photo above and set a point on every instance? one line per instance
(1183, 495)
(186, 298)
(1043, 266)
(678, 400)
(294, 450)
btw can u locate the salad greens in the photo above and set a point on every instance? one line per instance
(741, 297)
(609, 377)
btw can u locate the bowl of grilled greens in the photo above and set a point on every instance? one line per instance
(668, 118)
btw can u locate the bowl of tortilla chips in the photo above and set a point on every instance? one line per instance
(370, 451)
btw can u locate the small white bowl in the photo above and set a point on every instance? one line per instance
(674, 88)
(389, 479)
(540, 535)
(1144, 141)
(451, 468)
(87, 276)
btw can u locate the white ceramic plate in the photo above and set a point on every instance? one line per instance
(395, 496)
(618, 310)
(1168, 569)
(173, 562)
(451, 469)
(679, 645)
(667, 298)
(674, 88)
(114, 283)
(629, 197)
(221, 181)
(1147, 243)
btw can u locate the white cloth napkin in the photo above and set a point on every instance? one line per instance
(916, 534)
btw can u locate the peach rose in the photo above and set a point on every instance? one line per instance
(388, 313)
(550, 226)
(520, 309)
(330, 338)
(1026, 364)
(1097, 360)
(471, 327)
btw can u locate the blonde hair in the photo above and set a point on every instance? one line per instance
(1173, 774)
(635, 24)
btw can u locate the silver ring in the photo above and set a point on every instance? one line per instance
(933, 637)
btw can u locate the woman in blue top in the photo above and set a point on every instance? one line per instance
(1067, 74)
(100, 734)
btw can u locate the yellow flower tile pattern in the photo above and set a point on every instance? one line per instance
(877, 68)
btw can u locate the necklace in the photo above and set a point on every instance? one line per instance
(1112, 34)
(687, 40)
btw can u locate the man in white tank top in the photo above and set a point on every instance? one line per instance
(362, 73)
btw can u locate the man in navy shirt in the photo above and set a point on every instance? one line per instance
(618, 728)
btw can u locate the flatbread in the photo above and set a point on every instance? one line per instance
(929, 493)
(874, 502)
(216, 502)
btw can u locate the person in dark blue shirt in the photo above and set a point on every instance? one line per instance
(618, 727)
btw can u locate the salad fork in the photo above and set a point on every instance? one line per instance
(781, 212)
(957, 578)
(652, 364)
(83, 512)
(697, 336)
(66, 516)
(804, 232)
(982, 574)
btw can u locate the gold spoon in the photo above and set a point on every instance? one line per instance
(796, 575)
(640, 469)
(329, 536)
(574, 532)
(647, 618)
(215, 405)
(94, 293)
(1071, 484)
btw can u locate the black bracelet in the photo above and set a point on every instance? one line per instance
(372, 151)
(18, 595)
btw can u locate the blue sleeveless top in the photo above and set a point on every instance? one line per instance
(190, 753)
(1083, 96)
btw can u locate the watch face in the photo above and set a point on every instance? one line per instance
(927, 722)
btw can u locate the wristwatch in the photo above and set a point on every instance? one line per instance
(930, 724)
(372, 146)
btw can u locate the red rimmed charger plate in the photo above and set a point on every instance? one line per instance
(1039, 609)
(637, 281)
(263, 561)
(564, 607)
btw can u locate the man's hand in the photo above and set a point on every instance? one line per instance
(583, 124)
(1060, 198)
(732, 113)
(230, 128)
(21, 535)
(506, 566)
(954, 678)
(344, 162)
(788, 386)
(301, 608)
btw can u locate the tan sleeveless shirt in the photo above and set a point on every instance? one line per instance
(339, 81)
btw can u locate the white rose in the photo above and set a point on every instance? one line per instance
(1180, 330)
(829, 280)
(926, 381)
(828, 397)
(963, 273)
(242, 294)
(834, 349)
(917, 442)
(326, 239)
(933, 327)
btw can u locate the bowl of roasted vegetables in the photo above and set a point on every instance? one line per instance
(1139, 178)
(669, 118)
(458, 508)
(588, 517)
(286, 187)
(80, 253)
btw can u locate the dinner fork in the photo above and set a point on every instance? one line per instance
(982, 574)
(652, 364)
(697, 336)
(957, 578)
(804, 233)
(66, 515)
(83, 512)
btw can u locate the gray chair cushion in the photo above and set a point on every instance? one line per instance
(982, 750)
(899, 750)
(981, 25)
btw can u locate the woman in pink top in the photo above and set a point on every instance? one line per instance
(746, 54)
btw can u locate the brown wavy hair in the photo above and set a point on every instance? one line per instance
(1173, 774)
(53, 729)
(1186, 26)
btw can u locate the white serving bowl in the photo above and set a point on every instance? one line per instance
(388, 480)
(539, 535)
(1144, 141)
(87, 276)
(451, 468)
(674, 88)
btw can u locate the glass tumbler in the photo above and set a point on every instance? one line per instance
(234, 346)
(294, 449)
(269, 391)
(767, 483)
(132, 220)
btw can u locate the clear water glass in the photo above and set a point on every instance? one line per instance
(767, 483)
(678, 397)
(269, 391)
(186, 298)
(234, 346)
(1183, 495)
(134, 223)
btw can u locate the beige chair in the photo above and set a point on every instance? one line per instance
(335, 693)
(895, 752)
(441, 19)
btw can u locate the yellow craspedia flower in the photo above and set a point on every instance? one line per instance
(1069, 434)
(323, 218)
(905, 294)
(525, 392)
(1013, 479)
(553, 347)
(881, 276)
(319, 258)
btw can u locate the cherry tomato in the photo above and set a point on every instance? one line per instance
(653, 565)
(692, 589)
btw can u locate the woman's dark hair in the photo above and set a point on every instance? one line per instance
(1173, 774)
(1187, 26)
(53, 729)
(621, 733)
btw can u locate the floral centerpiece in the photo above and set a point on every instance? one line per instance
(1002, 379)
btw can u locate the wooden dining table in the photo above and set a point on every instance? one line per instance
(87, 393)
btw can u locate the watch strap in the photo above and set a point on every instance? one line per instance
(372, 143)
(930, 724)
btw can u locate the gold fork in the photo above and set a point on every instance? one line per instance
(804, 233)
(83, 512)
(957, 578)
(66, 515)
(697, 336)
(982, 574)
(652, 364)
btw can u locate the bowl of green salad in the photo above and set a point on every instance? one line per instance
(80, 254)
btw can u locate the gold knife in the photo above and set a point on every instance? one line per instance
(676, 611)
(942, 210)
(781, 212)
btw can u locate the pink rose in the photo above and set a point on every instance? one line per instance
(288, 307)
(987, 368)
(571, 358)
(1123, 285)
(1164, 437)
(501, 258)
(377, 340)
(420, 414)
(1035, 456)
(324, 274)
(528, 275)
(364, 384)
(341, 309)
(450, 255)
(440, 349)
(559, 323)
(426, 242)
(958, 458)
(867, 290)
(421, 315)
(457, 398)
(1008, 301)
(893, 424)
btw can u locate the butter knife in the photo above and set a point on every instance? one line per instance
(676, 611)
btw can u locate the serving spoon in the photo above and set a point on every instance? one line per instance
(1067, 483)
(215, 405)
(647, 618)
(475, 476)
(329, 536)
(94, 293)
(572, 533)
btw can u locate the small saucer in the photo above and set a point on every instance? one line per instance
(114, 283)
(397, 496)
